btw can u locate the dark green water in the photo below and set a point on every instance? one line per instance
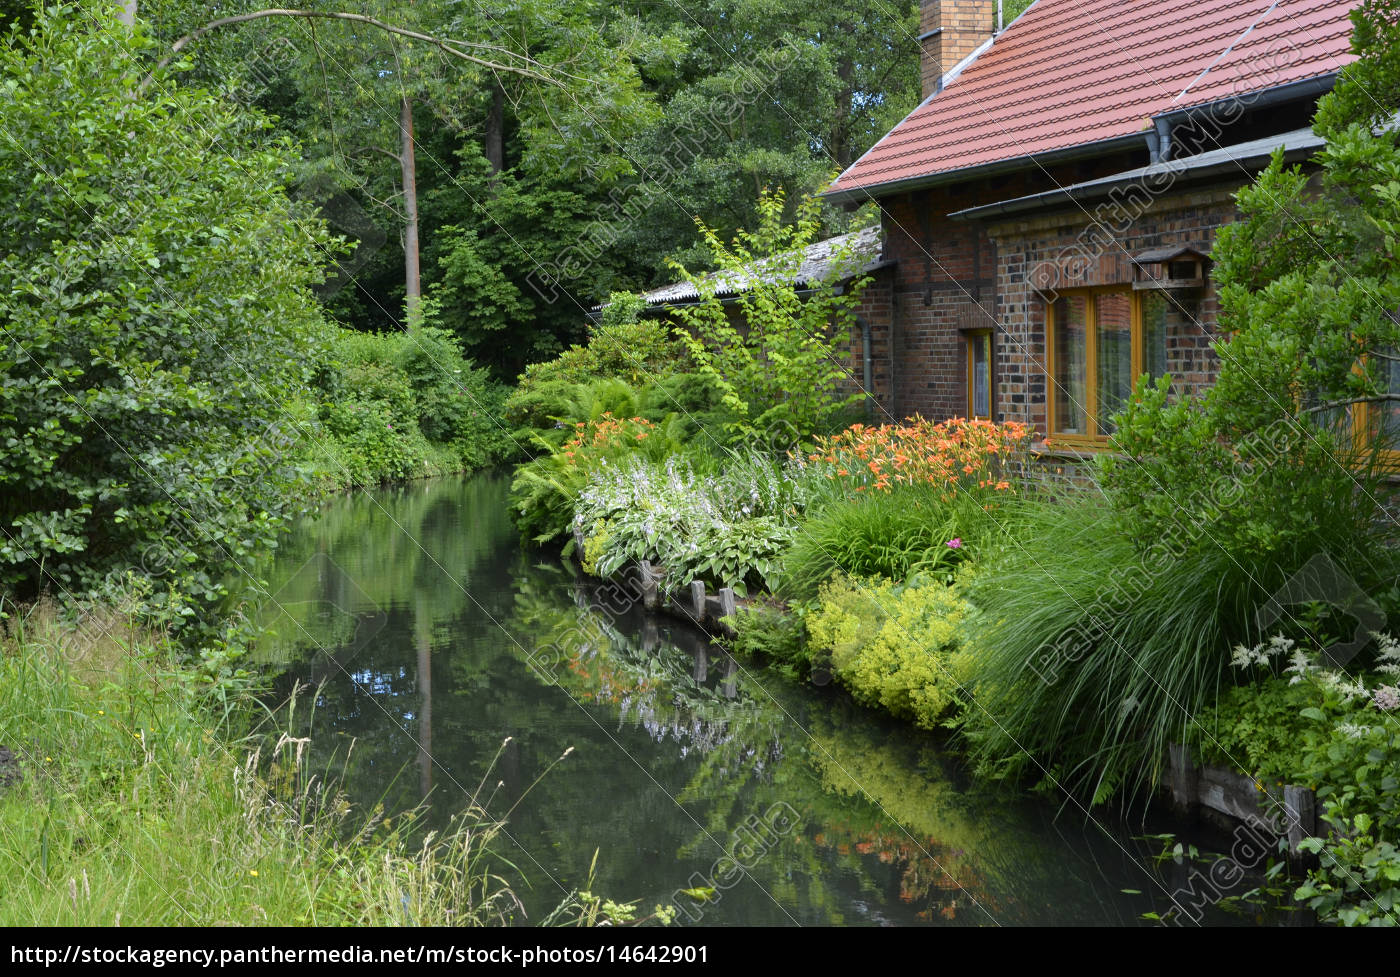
(421, 614)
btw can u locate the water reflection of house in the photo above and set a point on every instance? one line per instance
(1049, 207)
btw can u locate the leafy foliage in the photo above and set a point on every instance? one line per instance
(1341, 738)
(776, 635)
(726, 528)
(1357, 881)
(406, 405)
(546, 489)
(631, 366)
(898, 646)
(781, 372)
(156, 295)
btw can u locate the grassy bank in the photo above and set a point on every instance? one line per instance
(135, 793)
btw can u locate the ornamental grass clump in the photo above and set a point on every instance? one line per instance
(891, 534)
(1090, 659)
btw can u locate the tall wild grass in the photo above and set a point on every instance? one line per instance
(132, 797)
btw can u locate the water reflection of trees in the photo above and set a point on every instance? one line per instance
(424, 597)
(882, 808)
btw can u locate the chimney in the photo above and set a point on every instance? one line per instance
(950, 30)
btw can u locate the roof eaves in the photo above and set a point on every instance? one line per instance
(1256, 98)
(1297, 145)
(1078, 151)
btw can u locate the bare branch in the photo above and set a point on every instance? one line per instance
(523, 66)
(359, 150)
(1372, 399)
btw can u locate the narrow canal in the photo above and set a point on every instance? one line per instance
(433, 636)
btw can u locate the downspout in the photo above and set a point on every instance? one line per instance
(869, 362)
(1159, 140)
(866, 355)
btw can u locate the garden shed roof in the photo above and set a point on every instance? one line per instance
(820, 261)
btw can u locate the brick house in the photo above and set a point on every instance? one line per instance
(1049, 208)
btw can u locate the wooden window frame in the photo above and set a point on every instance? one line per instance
(1364, 422)
(1136, 352)
(971, 339)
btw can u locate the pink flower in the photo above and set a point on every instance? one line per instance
(955, 543)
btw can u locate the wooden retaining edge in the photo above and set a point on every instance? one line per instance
(1221, 793)
(694, 604)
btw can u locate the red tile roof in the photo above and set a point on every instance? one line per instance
(1072, 72)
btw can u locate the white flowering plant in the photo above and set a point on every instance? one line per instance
(726, 527)
(1381, 690)
(1348, 750)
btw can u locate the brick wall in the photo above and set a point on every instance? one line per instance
(946, 279)
(954, 276)
(877, 309)
(1070, 251)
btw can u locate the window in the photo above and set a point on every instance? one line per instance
(1099, 342)
(979, 374)
(1373, 424)
(1386, 416)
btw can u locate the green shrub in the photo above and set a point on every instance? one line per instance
(1258, 729)
(624, 353)
(896, 646)
(549, 411)
(406, 405)
(774, 634)
(1357, 879)
(782, 373)
(623, 345)
(159, 316)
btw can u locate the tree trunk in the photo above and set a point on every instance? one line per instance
(413, 282)
(841, 124)
(495, 130)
